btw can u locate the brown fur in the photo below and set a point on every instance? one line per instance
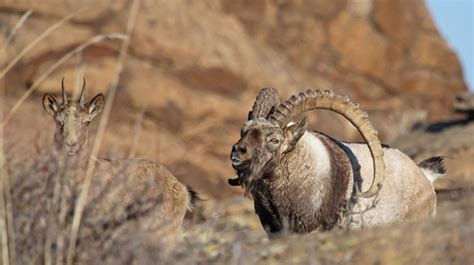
(335, 198)
(133, 210)
(136, 206)
(278, 201)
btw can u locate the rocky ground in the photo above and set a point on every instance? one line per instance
(452, 139)
(231, 234)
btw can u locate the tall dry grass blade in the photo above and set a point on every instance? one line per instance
(6, 207)
(3, 190)
(79, 208)
(36, 41)
(51, 69)
(62, 221)
(59, 175)
(52, 226)
(136, 132)
(17, 27)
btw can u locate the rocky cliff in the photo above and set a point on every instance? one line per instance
(194, 68)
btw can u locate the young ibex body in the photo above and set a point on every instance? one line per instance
(304, 181)
(134, 208)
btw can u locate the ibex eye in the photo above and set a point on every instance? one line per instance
(274, 141)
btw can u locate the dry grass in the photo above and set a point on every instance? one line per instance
(102, 126)
(54, 67)
(6, 215)
(15, 29)
(6, 211)
(4, 189)
(35, 42)
(232, 235)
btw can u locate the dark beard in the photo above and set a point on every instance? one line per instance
(242, 170)
(258, 177)
(248, 175)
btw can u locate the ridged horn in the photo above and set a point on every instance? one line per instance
(317, 99)
(82, 96)
(64, 97)
(265, 101)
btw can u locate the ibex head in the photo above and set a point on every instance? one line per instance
(262, 140)
(72, 118)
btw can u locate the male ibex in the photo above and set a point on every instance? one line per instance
(134, 208)
(304, 181)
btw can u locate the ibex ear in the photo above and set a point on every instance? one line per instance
(50, 105)
(96, 105)
(295, 131)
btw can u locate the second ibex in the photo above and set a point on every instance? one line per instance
(304, 181)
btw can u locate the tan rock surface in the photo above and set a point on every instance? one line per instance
(195, 67)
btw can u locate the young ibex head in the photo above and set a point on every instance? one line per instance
(72, 119)
(270, 133)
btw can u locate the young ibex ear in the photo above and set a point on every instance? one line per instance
(96, 105)
(50, 105)
(295, 131)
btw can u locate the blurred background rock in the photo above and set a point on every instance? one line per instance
(194, 68)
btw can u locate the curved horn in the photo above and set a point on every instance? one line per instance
(64, 97)
(318, 99)
(265, 101)
(82, 96)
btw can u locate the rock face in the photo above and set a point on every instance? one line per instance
(465, 104)
(194, 69)
(452, 139)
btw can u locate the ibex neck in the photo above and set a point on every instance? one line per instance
(307, 171)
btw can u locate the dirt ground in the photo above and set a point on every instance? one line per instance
(231, 234)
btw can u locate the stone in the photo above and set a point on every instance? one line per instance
(360, 48)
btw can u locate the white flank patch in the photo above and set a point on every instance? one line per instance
(320, 157)
(319, 153)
